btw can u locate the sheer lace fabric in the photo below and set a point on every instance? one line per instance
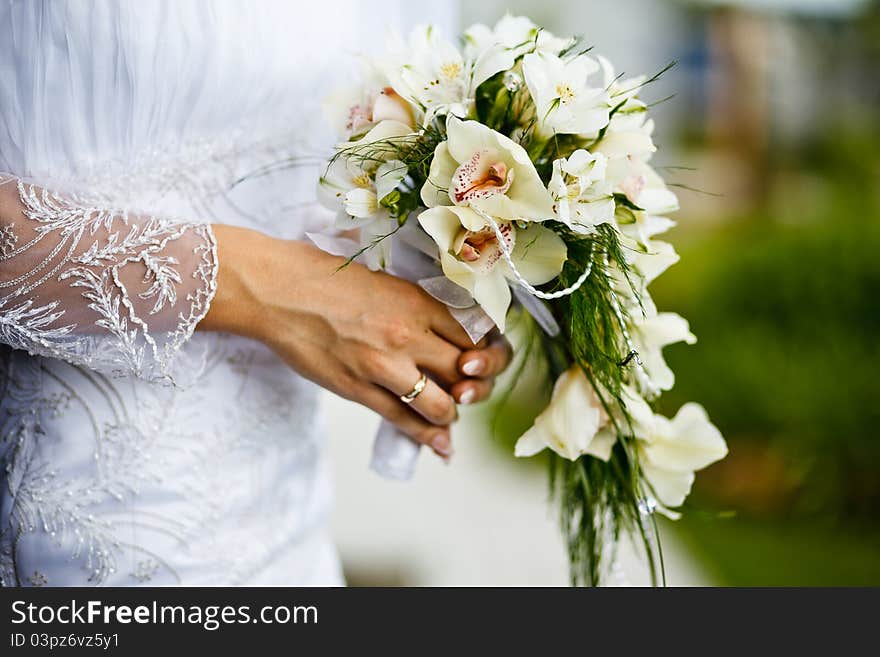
(104, 288)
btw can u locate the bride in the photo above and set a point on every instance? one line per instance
(163, 324)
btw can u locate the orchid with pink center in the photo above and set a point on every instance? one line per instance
(471, 255)
(478, 167)
(481, 181)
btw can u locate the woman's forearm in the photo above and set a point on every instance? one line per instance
(235, 308)
(257, 274)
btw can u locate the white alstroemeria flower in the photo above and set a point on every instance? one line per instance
(564, 100)
(354, 182)
(582, 197)
(515, 33)
(648, 200)
(670, 451)
(471, 256)
(355, 186)
(573, 424)
(623, 91)
(654, 260)
(360, 205)
(431, 72)
(650, 335)
(362, 110)
(479, 167)
(355, 109)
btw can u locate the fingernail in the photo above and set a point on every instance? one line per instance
(467, 396)
(440, 444)
(472, 367)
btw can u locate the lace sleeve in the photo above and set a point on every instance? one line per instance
(104, 288)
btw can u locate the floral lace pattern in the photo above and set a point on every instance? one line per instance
(126, 325)
(125, 482)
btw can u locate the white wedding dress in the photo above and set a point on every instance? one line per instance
(134, 450)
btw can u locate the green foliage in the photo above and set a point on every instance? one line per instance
(788, 323)
(759, 551)
(599, 500)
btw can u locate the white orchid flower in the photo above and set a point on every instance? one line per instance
(650, 335)
(432, 73)
(573, 424)
(564, 100)
(670, 451)
(471, 256)
(479, 167)
(582, 197)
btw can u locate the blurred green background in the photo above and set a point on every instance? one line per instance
(776, 120)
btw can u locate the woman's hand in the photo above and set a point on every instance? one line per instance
(364, 335)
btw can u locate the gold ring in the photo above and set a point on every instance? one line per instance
(409, 397)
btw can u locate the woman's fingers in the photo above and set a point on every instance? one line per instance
(446, 326)
(471, 391)
(488, 362)
(400, 377)
(439, 357)
(392, 409)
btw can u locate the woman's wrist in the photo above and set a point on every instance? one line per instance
(243, 256)
(261, 279)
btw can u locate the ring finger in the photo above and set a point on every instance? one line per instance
(432, 403)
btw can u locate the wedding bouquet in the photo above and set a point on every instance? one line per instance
(517, 168)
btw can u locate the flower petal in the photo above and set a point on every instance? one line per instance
(441, 224)
(698, 442)
(660, 257)
(670, 487)
(388, 177)
(435, 191)
(382, 131)
(539, 254)
(361, 202)
(458, 272)
(654, 333)
(493, 294)
(617, 144)
(530, 443)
